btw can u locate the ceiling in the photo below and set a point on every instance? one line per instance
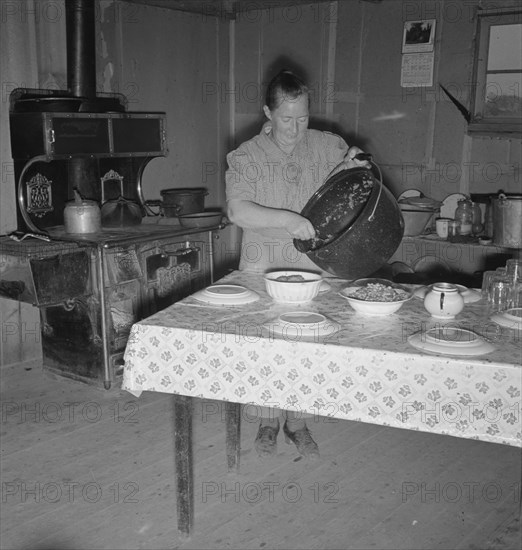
(222, 7)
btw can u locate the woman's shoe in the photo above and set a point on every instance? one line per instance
(302, 439)
(266, 440)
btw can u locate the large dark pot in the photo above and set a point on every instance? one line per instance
(177, 202)
(358, 225)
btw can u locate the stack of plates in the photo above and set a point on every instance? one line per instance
(511, 318)
(226, 295)
(450, 341)
(294, 324)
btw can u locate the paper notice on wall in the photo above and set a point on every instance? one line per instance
(417, 69)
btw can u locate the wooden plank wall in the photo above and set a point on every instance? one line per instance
(416, 134)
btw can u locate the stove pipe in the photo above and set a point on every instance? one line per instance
(81, 82)
(81, 47)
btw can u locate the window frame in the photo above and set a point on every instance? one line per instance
(478, 122)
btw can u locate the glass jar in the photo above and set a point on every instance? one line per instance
(477, 226)
(453, 229)
(464, 216)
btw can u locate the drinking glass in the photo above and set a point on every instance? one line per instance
(500, 292)
(486, 282)
(516, 294)
(514, 269)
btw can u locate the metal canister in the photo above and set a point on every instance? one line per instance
(507, 220)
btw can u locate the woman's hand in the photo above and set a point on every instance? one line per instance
(298, 226)
(351, 162)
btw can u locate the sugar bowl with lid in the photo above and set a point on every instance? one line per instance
(443, 301)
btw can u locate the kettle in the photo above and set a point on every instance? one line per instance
(82, 215)
(120, 212)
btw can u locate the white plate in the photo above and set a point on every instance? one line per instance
(450, 340)
(427, 263)
(511, 318)
(232, 295)
(409, 193)
(296, 324)
(449, 205)
(468, 294)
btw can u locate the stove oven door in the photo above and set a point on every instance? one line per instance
(173, 269)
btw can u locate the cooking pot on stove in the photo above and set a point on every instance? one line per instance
(358, 224)
(176, 202)
(120, 212)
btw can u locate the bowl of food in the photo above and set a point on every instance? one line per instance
(376, 296)
(293, 287)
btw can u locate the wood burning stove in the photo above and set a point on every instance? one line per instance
(91, 290)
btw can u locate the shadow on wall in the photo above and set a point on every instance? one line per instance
(317, 122)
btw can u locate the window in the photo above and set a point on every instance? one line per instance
(497, 79)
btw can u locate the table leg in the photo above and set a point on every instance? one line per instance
(233, 438)
(184, 463)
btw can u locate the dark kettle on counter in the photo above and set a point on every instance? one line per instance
(121, 212)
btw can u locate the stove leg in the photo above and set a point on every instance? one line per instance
(233, 441)
(184, 463)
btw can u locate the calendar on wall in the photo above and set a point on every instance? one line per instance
(417, 53)
(417, 69)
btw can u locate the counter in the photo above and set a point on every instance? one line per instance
(430, 253)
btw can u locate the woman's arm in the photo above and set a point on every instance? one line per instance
(248, 214)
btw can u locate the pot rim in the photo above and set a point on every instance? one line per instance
(185, 191)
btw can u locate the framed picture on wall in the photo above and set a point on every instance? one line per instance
(418, 36)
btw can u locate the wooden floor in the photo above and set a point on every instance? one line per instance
(84, 468)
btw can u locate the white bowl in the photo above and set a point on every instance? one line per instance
(415, 221)
(370, 307)
(293, 292)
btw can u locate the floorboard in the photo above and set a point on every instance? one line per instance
(85, 468)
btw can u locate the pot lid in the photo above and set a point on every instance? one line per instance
(82, 203)
(420, 202)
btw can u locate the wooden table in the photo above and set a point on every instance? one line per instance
(367, 371)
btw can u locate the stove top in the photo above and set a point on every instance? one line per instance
(116, 236)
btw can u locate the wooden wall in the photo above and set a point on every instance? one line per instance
(162, 60)
(166, 60)
(350, 53)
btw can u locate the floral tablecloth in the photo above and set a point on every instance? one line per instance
(366, 372)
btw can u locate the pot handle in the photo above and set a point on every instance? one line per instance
(156, 203)
(372, 215)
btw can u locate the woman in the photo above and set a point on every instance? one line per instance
(269, 180)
